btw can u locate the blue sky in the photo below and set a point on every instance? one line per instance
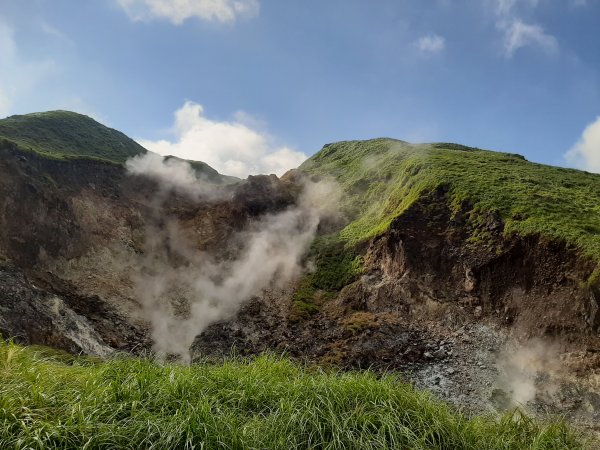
(256, 85)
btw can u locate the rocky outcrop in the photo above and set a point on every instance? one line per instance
(31, 315)
(472, 323)
(439, 296)
(73, 231)
(429, 255)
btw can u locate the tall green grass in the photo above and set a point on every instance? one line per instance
(53, 401)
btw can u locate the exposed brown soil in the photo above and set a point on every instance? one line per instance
(446, 312)
(434, 301)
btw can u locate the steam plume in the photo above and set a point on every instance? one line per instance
(183, 290)
(173, 175)
(522, 369)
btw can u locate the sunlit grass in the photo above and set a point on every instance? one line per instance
(49, 400)
(382, 178)
(66, 135)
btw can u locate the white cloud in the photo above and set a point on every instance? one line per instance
(506, 7)
(177, 11)
(585, 154)
(518, 34)
(231, 147)
(432, 43)
(51, 31)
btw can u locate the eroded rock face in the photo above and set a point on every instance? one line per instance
(77, 229)
(517, 281)
(426, 277)
(82, 225)
(31, 315)
(450, 314)
(439, 298)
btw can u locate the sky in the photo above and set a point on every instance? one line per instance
(256, 86)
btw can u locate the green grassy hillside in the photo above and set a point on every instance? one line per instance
(65, 134)
(50, 400)
(381, 178)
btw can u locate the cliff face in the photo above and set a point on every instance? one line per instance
(424, 279)
(76, 227)
(412, 276)
(72, 233)
(43, 219)
(477, 325)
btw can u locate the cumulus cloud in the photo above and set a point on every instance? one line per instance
(431, 43)
(585, 154)
(231, 147)
(178, 11)
(518, 34)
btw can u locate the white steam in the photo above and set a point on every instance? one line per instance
(585, 154)
(173, 174)
(529, 370)
(182, 290)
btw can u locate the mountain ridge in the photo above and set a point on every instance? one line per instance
(65, 134)
(440, 252)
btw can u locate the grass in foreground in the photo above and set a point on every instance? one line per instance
(50, 400)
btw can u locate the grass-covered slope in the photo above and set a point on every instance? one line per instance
(382, 177)
(49, 400)
(65, 134)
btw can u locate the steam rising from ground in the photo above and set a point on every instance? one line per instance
(529, 370)
(183, 290)
(173, 174)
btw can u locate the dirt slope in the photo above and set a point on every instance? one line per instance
(431, 299)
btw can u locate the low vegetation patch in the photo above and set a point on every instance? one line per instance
(66, 135)
(53, 400)
(381, 178)
(335, 266)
